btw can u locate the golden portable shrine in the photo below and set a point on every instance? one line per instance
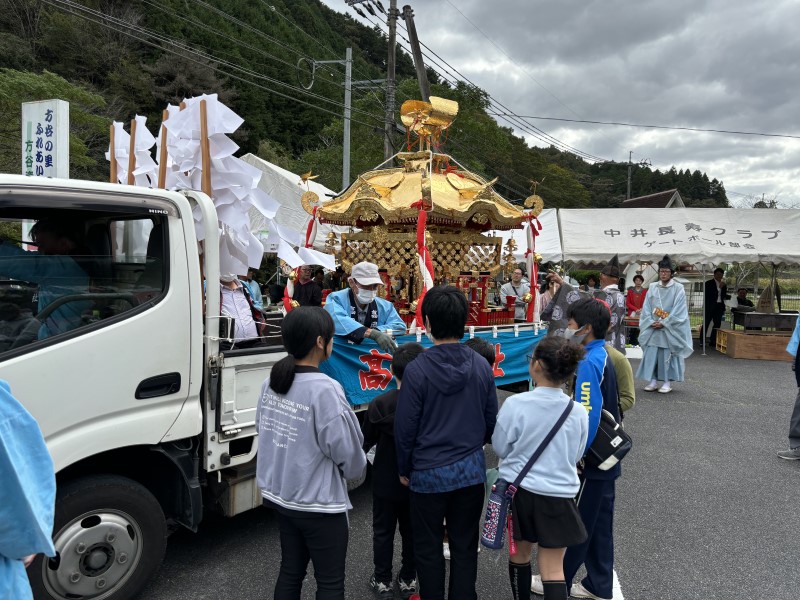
(422, 222)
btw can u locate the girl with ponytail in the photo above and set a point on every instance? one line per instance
(544, 509)
(309, 444)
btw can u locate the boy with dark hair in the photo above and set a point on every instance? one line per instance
(596, 389)
(441, 455)
(390, 499)
(483, 347)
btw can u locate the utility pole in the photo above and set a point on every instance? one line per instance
(422, 75)
(642, 163)
(630, 168)
(389, 120)
(348, 103)
(348, 106)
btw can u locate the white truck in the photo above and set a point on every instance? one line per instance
(114, 349)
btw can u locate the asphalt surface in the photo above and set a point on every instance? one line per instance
(704, 509)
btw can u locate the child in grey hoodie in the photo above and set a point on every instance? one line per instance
(309, 444)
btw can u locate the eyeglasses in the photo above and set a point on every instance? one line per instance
(529, 357)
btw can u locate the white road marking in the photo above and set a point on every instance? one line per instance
(617, 588)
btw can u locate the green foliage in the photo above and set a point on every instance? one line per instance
(250, 54)
(87, 128)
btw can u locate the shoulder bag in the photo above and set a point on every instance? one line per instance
(498, 516)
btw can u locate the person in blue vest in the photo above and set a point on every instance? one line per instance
(27, 496)
(55, 267)
(793, 453)
(358, 313)
(596, 390)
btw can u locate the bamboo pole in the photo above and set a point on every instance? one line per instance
(162, 155)
(205, 151)
(132, 154)
(113, 156)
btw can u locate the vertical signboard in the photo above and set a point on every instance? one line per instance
(45, 138)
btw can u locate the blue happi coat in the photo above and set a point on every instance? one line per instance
(27, 495)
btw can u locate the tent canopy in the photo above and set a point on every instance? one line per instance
(707, 236)
(548, 242)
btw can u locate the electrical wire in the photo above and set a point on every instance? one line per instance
(699, 129)
(515, 122)
(188, 54)
(328, 49)
(109, 21)
(536, 81)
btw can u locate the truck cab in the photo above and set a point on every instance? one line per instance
(109, 340)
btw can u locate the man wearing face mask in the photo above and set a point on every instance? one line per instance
(235, 301)
(588, 321)
(610, 294)
(358, 313)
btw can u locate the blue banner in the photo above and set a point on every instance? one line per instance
(363, 369)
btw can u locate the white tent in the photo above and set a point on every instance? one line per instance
(706, 236)
(548, 242)
(284, 186)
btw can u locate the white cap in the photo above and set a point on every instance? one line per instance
(366, 273)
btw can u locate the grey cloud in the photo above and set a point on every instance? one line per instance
(709, 64)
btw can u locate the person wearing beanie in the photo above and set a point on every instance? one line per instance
(665, 334)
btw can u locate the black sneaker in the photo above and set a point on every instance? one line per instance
(408, 587)
(381, 590)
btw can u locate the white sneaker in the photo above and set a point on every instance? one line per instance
(536, 585)
(665, 389)
(578, 591)
(446, 551)
(652, 386)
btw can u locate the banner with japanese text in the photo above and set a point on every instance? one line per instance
(363, 369)
(689, 235)
(45, 138)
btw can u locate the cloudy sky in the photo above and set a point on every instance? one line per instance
(709, 64)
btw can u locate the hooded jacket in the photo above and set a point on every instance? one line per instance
(378, 430)
(309, 444)
(447, 408)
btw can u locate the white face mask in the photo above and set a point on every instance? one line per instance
(365, 296)
(227, 278)
(430, 337)
(572, 335)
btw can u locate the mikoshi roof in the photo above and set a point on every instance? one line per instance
(386, 196)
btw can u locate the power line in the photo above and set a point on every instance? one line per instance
(169, 42)
(217, 32)
(328, 49)
(509, 117)
(532, 78)
(700, 129)
(514, 121)
(187, 53)
(470, 152)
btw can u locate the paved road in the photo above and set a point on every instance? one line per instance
(705, 509)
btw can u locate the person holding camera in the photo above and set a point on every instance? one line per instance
(517, 288)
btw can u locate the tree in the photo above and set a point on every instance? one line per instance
(88, 131)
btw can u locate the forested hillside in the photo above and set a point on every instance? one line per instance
(112, 59)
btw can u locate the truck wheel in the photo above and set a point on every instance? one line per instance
(110, 535)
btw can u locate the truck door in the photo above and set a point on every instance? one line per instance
(95, 330)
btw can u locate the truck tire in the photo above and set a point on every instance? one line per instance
(110, 535)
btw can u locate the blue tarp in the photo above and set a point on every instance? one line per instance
(363, 369)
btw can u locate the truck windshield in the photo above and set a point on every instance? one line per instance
(65, 270)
